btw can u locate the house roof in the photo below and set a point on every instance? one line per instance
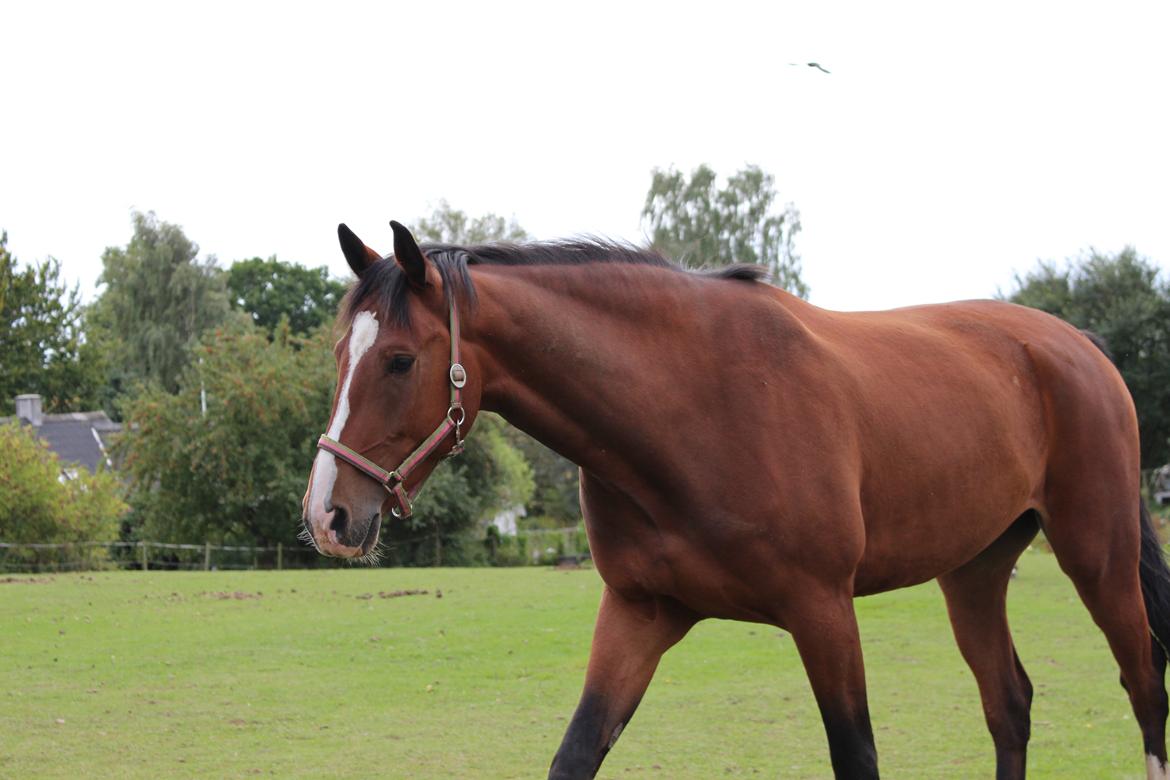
(78, 439)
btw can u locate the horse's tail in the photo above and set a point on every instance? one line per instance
(1155, 582)
(1155, 574)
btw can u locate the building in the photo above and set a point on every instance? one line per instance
(505, 519)
(80, 439)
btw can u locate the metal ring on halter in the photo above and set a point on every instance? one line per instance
(401, 511)
(458, 375)
(462, 415)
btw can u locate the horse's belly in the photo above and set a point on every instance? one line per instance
(906, 548)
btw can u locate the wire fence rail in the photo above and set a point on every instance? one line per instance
(147, 555)
(536, 546)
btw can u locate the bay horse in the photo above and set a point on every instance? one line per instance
(747, 455)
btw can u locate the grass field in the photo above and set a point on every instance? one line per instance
(316, 674)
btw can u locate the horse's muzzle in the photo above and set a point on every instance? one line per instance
(345, 538)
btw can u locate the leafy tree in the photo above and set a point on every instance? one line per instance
(556, 496)
(1121, 298)
(700, 224)
(37, 506)
(159, 299)
(448, 225)
(271, 289)
(238, 472)
(42, 344)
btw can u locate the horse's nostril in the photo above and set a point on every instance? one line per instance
(339, 522)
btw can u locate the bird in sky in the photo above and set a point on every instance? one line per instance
(816, 65)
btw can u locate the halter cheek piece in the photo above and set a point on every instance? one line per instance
(395, 481)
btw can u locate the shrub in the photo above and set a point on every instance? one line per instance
(39, 505)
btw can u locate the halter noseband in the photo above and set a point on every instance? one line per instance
(395, 481)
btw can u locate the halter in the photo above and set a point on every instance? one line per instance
(395, 481)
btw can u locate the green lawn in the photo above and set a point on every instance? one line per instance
(314, 674)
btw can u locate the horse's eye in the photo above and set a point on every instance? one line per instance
(400, 364)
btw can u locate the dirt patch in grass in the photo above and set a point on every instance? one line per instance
(393, 594)
(235, 595)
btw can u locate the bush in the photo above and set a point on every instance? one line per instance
(39, 506)
(512, 551)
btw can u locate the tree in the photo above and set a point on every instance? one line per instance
(43, 348)
(699, 224)
(448, 225)
(556, 497)
(159, 299)
(1122, 299)
(269, 289)
(236, 473)
(38, 506)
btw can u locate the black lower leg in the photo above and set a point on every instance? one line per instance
(1154, 732)
(1011, 728)
(586, 742)
(851, 746)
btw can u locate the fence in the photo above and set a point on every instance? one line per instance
(146, 555)
(536, 546)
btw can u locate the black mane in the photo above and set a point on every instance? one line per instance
(385, 281)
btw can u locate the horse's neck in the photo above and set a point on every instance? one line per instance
(572, 364)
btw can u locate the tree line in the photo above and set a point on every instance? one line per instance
(224, 377)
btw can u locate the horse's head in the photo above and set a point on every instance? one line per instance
(399, 406)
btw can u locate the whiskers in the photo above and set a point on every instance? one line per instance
(308, 539)
(373, 557)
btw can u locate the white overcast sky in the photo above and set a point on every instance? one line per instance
(952, 144)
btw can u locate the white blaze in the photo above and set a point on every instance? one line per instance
(362, 335)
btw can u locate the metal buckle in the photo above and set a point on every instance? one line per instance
(458, 375)
(462, 414)
(393, 485)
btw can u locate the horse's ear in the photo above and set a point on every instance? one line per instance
(409, 256)
(359, 256)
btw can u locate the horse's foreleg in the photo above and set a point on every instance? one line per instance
(629, 639)
(825, 631)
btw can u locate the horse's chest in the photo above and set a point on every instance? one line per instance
(661, 561)
(632, 560)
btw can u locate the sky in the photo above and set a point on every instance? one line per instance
(950, 147)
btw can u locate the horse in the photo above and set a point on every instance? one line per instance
(746, 455)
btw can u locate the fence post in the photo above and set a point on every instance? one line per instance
(207, 556)
(279, 556)
(145, 563)
(255, 558)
